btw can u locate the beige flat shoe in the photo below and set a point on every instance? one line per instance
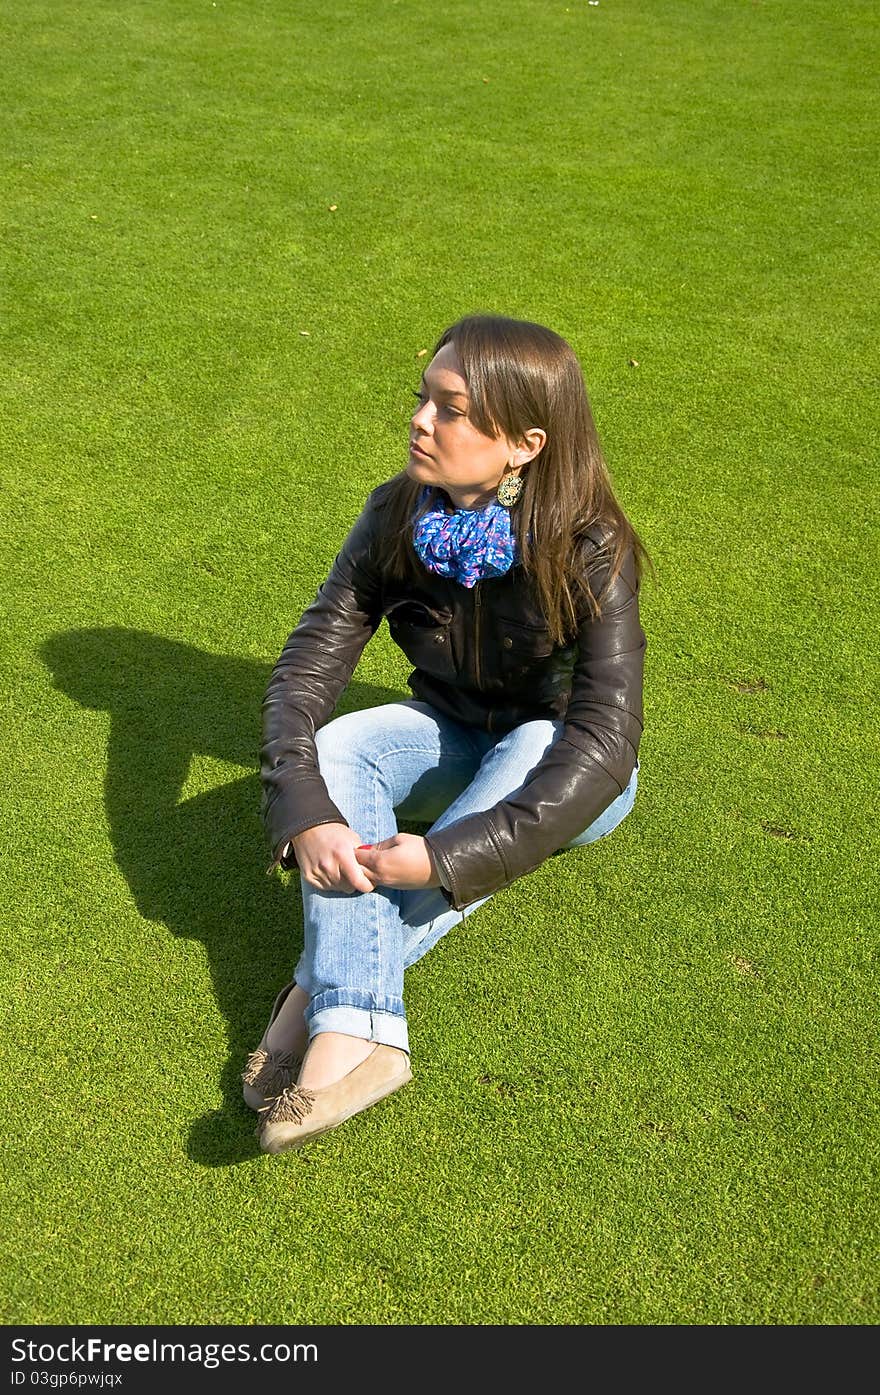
(267, 1073)
(298, 1114)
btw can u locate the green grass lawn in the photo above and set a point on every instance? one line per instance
(645, 1075)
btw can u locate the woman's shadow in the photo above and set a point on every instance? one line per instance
(197, 864)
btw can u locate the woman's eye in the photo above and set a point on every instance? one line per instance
(451, 410)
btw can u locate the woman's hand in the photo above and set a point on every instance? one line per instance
(326, 857)
(404, 861)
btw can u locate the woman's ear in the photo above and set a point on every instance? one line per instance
(531, 444)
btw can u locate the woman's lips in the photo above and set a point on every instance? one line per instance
(417, 450)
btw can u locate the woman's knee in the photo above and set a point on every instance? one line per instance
(339, 746)
(362, 740)
(346, 738)
(529, 742)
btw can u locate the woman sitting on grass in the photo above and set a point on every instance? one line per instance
(509, 576)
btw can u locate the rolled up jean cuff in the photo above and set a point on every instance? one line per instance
(352, 1012)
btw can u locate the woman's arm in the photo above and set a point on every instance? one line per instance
(306, 683)
(581, 773)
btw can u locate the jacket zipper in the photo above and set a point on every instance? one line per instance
(477, 673)
(477, 634)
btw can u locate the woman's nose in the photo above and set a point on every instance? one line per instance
(421, 417)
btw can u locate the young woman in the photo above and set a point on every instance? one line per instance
(509, 576)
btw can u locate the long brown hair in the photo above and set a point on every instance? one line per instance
(521, 375)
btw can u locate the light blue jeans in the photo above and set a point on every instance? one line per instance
(407, 759)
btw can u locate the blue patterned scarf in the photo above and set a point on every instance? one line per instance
(469, 544)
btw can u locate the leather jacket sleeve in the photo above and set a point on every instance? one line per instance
(584, 770)
(312, 671)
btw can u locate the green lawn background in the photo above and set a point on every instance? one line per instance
(645, 1075)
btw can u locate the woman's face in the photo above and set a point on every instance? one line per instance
(451, 452)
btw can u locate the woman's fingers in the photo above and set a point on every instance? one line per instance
(327, 861)
(356, 875)
(399, 861)
(364, 866)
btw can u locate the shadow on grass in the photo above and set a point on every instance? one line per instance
(198, 864)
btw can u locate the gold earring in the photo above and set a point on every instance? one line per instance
(509, 490)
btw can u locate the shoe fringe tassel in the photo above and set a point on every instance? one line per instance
(290, 1107)
(270, 1071)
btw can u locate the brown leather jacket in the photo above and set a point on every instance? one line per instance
(483, 656)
